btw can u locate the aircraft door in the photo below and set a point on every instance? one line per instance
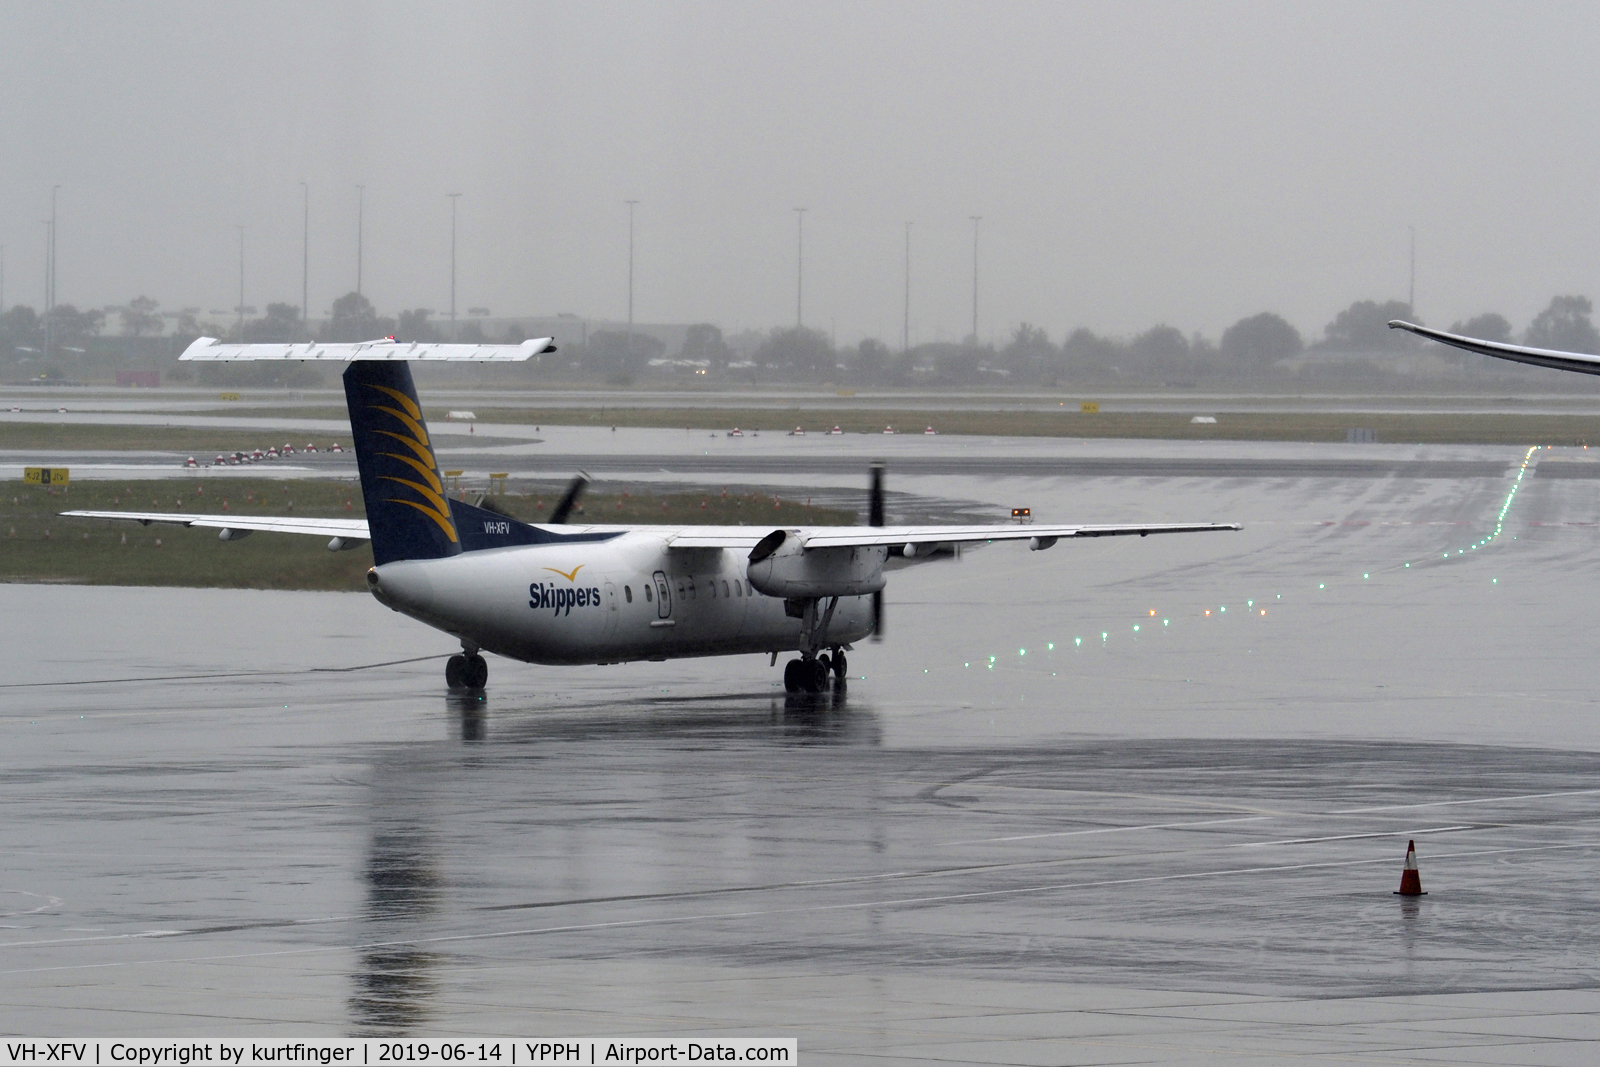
(663, 596)
(611, 608)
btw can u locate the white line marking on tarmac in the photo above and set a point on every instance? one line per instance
(1353, 837)
(1110, 830)
(1479, 800)
(621, 924)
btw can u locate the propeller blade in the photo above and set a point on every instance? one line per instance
(875, 518)
(568, 499)
(875, 497)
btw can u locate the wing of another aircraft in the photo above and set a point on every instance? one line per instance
(209, 349)
(866, 536)
(1580, 362)
(349, 529)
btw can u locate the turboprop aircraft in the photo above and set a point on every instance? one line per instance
(1581, 362)
(564, 593)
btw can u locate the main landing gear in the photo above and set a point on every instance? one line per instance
(466, 671)
(809, 674)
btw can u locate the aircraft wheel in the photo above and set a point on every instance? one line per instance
(840, 666)
(476, 672)
(816, 676)
(455, 669)
(791, 676)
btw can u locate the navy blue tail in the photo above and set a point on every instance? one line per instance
(408, 514)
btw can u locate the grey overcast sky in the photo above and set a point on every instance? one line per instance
(1134, 163)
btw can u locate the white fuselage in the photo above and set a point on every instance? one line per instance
(630, 598)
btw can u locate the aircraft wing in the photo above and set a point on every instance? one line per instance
(1581, 362)
(893, 536)
(349, 529)
(209, 349)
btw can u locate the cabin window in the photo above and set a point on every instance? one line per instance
(724, 587)
(738, 587)
(627, 591)
(713, 584)
(647, 597)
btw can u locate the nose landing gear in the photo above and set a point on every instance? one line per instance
(466, 671)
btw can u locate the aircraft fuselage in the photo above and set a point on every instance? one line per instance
(628, 598)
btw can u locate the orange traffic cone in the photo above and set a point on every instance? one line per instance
(1410, 878)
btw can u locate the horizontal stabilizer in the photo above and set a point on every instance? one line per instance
(1581, 362)
(350, 529)
(209, 349)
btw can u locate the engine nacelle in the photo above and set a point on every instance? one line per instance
(780, 566)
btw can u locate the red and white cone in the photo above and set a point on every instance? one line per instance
(1410, 878)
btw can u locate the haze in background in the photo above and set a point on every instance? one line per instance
(1133, 164)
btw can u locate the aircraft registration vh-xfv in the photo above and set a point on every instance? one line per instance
(562, 593)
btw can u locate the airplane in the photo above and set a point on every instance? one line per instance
(567, 593)
(1580, 362)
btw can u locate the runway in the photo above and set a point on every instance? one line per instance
(1086, 805)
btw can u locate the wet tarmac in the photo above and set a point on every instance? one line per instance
(1086, 805)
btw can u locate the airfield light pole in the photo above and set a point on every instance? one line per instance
(1411, 299)
(241, 285)
(361, 210)
(305, 259)
(975, 220)
(905, 328)
(800, 264)
(453, 198)
(630, 204)
(50, 279)
(47, 289)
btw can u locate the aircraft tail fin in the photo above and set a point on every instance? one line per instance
(408, 514)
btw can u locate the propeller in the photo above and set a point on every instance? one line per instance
(875, 518)
(569, 499)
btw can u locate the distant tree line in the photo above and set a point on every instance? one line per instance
(1356, 344)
